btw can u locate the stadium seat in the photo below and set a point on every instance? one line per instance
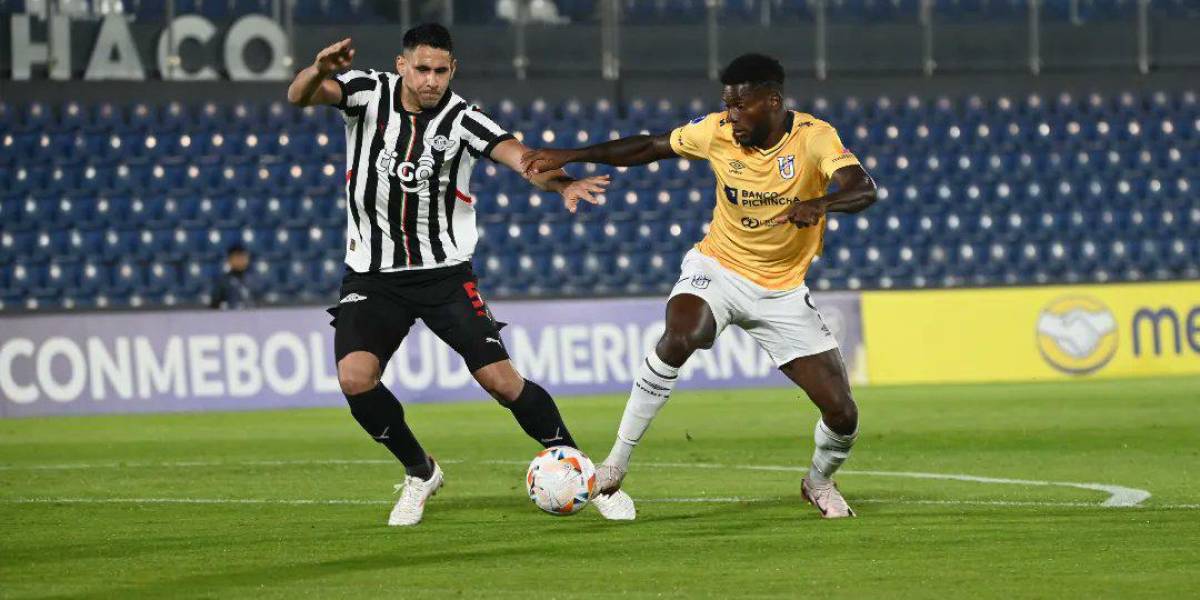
(136, 204)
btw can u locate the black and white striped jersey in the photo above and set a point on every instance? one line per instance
(408, 175)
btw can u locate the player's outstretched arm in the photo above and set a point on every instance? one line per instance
(624, 152)
(509, 153)
(856, 191)
(312, 84)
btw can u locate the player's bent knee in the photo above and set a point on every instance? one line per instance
(505, 393)
(501, 382)
(354, 384)
(358, 374)
(501, 393)
(843, 417)
(681, 344)
(355, 381)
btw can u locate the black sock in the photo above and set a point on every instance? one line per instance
(381, 416)
(538, 415)
(421, 471)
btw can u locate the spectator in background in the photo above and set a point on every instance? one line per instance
(232, 290)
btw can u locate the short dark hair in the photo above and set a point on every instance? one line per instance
(235, 248)
(433, 35)
(754, 69)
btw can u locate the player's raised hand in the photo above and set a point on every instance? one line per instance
(542, 160)
(804, 214)
(583, 189)
(335, 57)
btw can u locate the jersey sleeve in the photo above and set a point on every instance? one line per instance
(825, 150)
(693, 139)
(481, 133)
(359, 88)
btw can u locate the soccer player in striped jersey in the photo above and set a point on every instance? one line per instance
(411, 145)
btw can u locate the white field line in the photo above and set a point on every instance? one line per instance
(1119, 496)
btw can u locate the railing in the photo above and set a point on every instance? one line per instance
(608, 15)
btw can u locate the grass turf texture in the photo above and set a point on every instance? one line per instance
(483, 538)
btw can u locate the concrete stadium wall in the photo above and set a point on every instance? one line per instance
(669, 61)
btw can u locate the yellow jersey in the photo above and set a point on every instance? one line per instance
(755, 187)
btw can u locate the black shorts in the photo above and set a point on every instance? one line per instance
(377, 310)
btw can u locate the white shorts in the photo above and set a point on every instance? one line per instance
(784, 322)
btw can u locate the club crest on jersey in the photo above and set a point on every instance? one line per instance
(731, 194)
(440, 143)
(787, 166)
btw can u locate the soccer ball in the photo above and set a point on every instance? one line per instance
(561, 480)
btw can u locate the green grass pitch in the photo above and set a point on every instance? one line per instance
(292, 504)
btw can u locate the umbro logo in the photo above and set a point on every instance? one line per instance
(352, 298)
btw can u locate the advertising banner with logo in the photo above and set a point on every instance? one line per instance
(269, 358)
(1025, 334)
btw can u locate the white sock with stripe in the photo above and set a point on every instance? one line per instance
(652, 387)
(832, 449)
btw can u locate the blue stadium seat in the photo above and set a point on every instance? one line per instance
(977, 191)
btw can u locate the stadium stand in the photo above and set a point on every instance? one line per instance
(664, 12)
(109, 206)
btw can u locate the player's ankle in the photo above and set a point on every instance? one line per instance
(420, 471)
(818, 479)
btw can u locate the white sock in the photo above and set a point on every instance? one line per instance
(831, 451)
(651, 388)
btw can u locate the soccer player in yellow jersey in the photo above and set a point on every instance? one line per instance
(773, 167)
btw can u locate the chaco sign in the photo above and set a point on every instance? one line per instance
(114, 55)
